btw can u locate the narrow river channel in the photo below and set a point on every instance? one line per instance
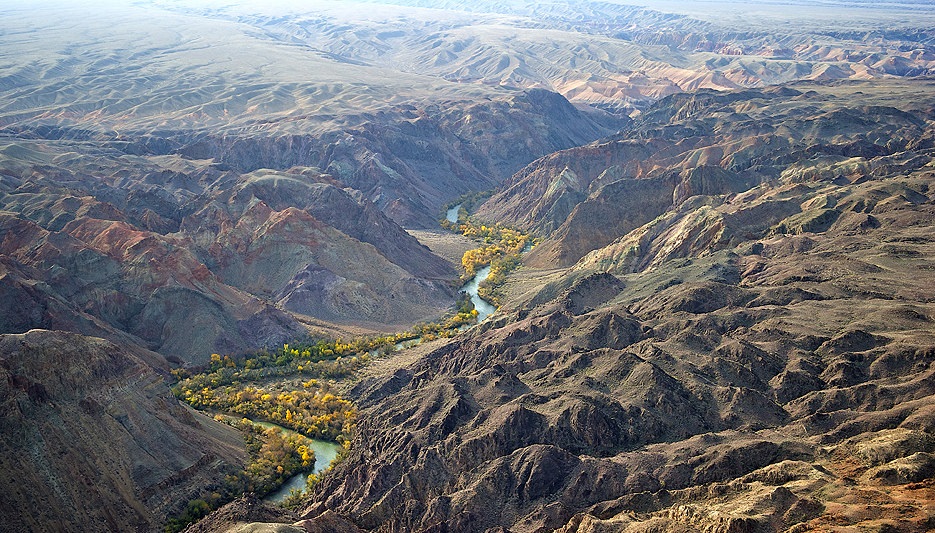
(452, 214)
(325, 452)
(484, 308)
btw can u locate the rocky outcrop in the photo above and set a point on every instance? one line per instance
(92, 438)
(344, 210)
(246, 514)
(103, 277)
(555, 421)
(286, 254)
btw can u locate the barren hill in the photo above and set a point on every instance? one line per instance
(727, 327)
(757, 358)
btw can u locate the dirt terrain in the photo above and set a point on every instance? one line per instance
(726, 327)
(762, 362)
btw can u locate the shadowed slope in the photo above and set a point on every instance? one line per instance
(723, 380)
(92, 439)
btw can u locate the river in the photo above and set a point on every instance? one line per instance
(452, 214)
(484, 309)
(325, 452)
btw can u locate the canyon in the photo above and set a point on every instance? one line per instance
(754, 357)
(726, 324)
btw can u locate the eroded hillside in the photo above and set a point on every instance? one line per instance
(727, 326)
(762, 363)
(710, 144)
(92, 439)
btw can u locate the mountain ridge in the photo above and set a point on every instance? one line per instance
(726, 379)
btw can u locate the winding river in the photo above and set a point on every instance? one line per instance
(325, 451)
(484, 309)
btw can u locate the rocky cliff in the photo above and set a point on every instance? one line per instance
(188, 259)
(106, 277)
(92, 439)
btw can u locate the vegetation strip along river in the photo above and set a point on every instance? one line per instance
(325, 452)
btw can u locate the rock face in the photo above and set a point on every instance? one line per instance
(92, 439)
(318, 250)
(108, 278)
(753, 364)
(246, 510)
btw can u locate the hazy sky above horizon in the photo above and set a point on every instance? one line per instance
(756, 15)
(705, 9)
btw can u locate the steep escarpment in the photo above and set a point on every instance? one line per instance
(92, 439)
(410, 160)
(318, 250)
(597, 411)
(322, 198)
